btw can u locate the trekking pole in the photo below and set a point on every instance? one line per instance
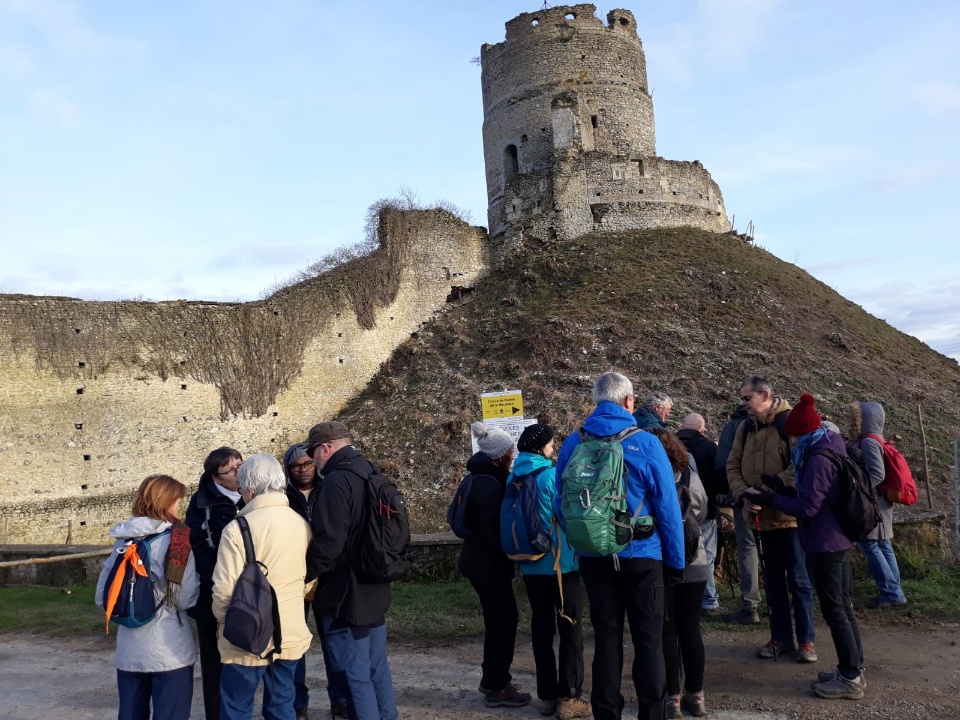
(727, 559)
(763, 570)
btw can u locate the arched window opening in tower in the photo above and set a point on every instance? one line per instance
(511, 163)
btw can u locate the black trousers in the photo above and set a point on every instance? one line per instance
(499, 630)
(636, 589)
(682, 641)
(543, 591)
(833, 581)
(209, 666)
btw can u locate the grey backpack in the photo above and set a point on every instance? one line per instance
(253, 616)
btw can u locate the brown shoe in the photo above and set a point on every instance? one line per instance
(693, 704)
(570, 708)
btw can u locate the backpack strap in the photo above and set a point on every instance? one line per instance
(275, 610)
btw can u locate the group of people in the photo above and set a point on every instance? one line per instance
(766, 467)
(305, 519)
(305, 515)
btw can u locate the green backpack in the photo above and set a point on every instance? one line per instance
(593, 496)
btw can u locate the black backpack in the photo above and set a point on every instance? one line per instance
(253, 616)
(457, 510)
(855, 505)
(384, 546)
(691, 528)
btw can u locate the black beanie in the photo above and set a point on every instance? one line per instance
(534, 438)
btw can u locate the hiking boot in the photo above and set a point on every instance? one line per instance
(483, 689)
(878, 603)
(301, 713)
(806, 653)
(828, 675)
(838, 688)
(745, 617)
(339, 709)
(548, 707)
(713, 612)
(693, 704)
(773, 649)
(673, 707)
(574, 707)
(510, 696)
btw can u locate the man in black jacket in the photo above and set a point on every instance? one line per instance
(484, 563)
(704, 451)
(214, 504)
(303, 483)
(352, 614)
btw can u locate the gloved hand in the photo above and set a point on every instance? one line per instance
(776, 483)
(672, 576)
(759, 497)
(739, 502)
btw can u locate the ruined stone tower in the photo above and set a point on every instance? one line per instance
(568, 133)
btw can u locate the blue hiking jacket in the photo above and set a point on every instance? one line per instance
(649, 480)
(542, 470)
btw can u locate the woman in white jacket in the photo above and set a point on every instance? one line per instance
(155, 661)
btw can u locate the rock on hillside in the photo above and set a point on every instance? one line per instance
(679, 310)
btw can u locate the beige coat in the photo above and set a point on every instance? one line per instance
(763, 452)
(280, 539)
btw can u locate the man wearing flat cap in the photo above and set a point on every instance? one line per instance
(351, 614)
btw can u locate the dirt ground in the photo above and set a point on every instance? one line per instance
(913, 673)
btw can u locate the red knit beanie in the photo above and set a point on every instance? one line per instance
(803, 418)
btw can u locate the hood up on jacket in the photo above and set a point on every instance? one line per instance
(138, 527)
(866, 418)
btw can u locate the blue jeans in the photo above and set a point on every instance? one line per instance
(238, 686)
(784, 565)
(171, 693)
(358, 661)
(711, 598)
(337, 695)
(882, 564)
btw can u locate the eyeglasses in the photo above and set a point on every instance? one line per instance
(747, 398)
(230, 471)
(302, 466)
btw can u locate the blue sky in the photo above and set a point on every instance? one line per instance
(207, 150)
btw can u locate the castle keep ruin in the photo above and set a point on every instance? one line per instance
(568, 133)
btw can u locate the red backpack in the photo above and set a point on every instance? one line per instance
(898, 485)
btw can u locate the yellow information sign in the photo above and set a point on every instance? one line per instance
(508, 404)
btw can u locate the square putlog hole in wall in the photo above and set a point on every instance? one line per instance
(79, 391)
(78, 426)
(84, 487)
(183, 386)
(81, 364)
(86, 458)
(83, 523)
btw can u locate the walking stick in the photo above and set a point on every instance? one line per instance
(763, 569)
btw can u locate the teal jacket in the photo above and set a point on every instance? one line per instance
(542, 470)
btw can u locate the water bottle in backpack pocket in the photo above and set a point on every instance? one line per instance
(522, 535)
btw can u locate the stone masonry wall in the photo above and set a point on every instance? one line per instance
(87, 410)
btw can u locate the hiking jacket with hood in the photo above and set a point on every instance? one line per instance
(647, 418)
(817, 490)
(704, 452)
(649, 481)
(337, 523)
(166, 642)
(760, 451)
(280, 540)
(222, 511)
(540, 470)
(482, 558)
(868, 418)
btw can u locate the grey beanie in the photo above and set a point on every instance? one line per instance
(493, 442)
(832, 427)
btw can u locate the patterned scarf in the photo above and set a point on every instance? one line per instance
(804, 442)
(176, 561)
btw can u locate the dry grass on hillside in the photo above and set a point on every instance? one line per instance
(683, 311)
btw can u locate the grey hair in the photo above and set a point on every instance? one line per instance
(611, 386)
(657, 400)
(758, 383)
(262, 473)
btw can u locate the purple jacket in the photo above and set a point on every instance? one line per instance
(816, 490)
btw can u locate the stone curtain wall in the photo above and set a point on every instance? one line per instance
(94, 396)
(568, 133)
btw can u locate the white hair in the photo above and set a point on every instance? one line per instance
(611, 386)
(657, 400)
(262, 473)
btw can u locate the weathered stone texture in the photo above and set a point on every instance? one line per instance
(568, 133)
(70, 456)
